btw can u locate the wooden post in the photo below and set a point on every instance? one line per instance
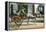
(33, 11)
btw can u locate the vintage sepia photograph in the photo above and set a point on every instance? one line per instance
(22, 15)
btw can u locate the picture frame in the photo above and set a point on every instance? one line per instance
(20, 15)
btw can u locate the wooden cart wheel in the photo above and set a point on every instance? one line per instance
(17, 20)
